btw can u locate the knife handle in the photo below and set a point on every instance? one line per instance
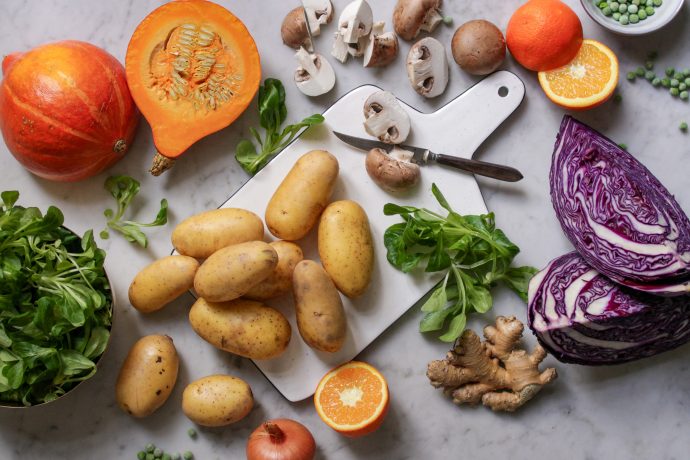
(481, 168)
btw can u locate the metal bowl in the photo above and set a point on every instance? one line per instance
(662, 16)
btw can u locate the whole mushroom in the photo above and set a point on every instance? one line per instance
(427, 67)
(478, 47)
(393, 172)
(294, 28)
(412, 16)
(385, 118)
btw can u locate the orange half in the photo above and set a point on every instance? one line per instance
(352, 399)
(586, 81)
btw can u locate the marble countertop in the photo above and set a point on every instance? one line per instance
(634, 411)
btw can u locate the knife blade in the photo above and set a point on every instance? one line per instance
(422, 156)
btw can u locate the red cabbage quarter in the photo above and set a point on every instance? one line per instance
(618, 216)
(581, 317)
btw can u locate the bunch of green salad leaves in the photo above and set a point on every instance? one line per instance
(55, 304)
(272, 114)
(475, 254)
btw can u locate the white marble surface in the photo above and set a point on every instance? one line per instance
(635, 411)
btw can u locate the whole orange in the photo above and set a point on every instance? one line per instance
(544, 34)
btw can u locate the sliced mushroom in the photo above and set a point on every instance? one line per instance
(385, 118)
(393, 172)
(427, 67)
(382, 48)
(319, 12)
(314, 76)
(412, 16)
(354, 27)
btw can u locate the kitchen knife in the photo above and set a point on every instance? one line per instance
(422, 156)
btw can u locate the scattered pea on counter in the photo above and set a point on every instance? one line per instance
(683, 127)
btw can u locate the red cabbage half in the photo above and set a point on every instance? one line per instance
(581, 317)
(618, 216)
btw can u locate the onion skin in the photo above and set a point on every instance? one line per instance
(281, 439)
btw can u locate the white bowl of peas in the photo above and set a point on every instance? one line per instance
(632, 17)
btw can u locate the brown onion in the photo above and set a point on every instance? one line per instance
(281, 439)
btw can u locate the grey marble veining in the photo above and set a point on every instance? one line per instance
(635, 411)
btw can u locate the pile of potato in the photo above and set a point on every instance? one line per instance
(238, 272)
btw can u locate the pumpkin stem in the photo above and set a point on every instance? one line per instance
(120, 146)
(161, 164)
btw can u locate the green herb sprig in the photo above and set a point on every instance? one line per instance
(272, 114)
(55, 304)
(124, 189)
(474, 252)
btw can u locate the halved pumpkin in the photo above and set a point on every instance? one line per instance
(192, 68)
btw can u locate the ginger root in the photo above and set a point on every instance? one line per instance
(492, 372)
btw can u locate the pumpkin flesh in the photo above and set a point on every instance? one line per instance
(65, 110)
(192, 68)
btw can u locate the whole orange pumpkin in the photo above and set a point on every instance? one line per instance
(65, 110)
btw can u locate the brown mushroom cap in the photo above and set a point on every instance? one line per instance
(294, 29)
(409, 15)
(478, 47)
(389, 173)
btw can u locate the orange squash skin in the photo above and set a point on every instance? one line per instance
(177, 124)
(65, 110)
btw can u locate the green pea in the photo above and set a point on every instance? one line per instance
(622, 1)
(687, 81)
(191, 433)
(674, 83)
(683, 126)
(649, 10)
(616, 16)
(682, 87)
(686, 73)
(607, 11)
(614, 6)
(166, 456)
(674, 92)
(188, 455)
(176, 456)
(649, 75)
(670, 71)
(623, 8)
(623, 146)
(141, 455)
(149, 448)
(617, 98)
(631, 76)
(656, 82)
(642, 14)
(158, 453)
(150, 456)
(649, 65)
(635, 2)
(684, 95)
(634, 19)
(678, 75)
(624, 19)
(632, 9)
(643, 2)
(640, 71)
(603, 5)
(658, 3)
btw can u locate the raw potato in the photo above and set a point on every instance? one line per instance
(296, 205)
(161, 282)
(147, 376)
(203, 234)
(230, 272)
(280, 281)
(243, 327)
(345, 247)
(217, 400)
(320, 314)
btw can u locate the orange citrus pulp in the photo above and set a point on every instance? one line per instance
(352, 399)
(586, 81)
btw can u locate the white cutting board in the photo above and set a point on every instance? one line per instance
(456, 129)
